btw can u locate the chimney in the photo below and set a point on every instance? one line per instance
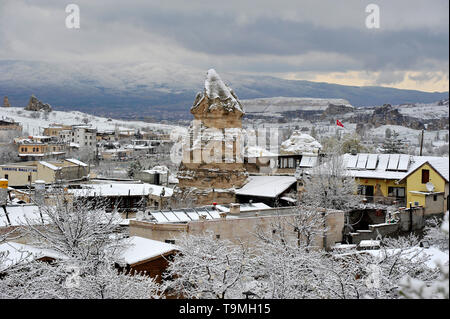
(39, 192)
(235, 209)
(3, 191)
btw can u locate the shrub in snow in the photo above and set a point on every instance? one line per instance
(421, 289)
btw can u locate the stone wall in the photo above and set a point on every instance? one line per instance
(240, 229)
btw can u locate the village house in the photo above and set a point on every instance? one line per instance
(40, 148)
(109, 136)
(126, 197)
(402, 179)
(23, 174)
(141, 147)
(140, 255)
(10, 125)
(116, 154)
(84, 136)
(146, 256)
(56, 129)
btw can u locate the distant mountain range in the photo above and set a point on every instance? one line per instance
(148, 90)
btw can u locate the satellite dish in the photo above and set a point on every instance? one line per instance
(429, 186)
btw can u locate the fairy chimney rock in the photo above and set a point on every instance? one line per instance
(212, 162)
(217, 106)
(35, 105)
(6, 102)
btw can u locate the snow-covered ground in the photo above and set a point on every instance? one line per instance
(286, 104)
(424, 111)
(410, 134)
(35, 126)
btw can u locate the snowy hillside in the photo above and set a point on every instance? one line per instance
(35, 126)
(425, 111)
(409, 134)
(286, 104)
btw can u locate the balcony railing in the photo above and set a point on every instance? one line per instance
(394, 201)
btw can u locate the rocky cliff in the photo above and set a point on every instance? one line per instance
(35, 105)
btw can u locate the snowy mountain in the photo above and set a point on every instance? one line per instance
(134, 90)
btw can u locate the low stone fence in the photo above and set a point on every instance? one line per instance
(405, 220)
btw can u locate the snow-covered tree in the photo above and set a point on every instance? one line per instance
(285, 262)
(330, 186)
(89, 245)
(417, 288)
(394, 144)
(134, 167)
(208, 268)
(434, 234)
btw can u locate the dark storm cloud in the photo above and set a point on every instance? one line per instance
(275, 37)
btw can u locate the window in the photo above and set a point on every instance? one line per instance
(29, 178)
(170, 241)
(217, 236)
(6, 176)
(434, 197)
(396, 192)
(425, 176)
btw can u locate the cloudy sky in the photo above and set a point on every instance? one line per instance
(309, 40)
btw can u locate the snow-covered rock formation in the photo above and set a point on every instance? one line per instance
(300, 143)
(212, 165)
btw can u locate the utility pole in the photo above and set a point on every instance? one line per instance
(421, 144)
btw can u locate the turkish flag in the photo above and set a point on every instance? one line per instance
(338, 123)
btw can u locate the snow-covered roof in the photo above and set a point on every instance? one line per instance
(391, 166)
(121, 189)
(17, 214)
(142, 249)
(76, 162)
(244, 207)
(369, 243)
(288, 199)
(258, 151)
(157, 169)
(300, 143)
(51, 166)
(266, 186)
(16, 253)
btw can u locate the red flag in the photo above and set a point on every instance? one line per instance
(338, 123)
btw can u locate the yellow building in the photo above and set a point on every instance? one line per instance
(26, 173)
(55, 129)
(428, 186)
(40, 147)
(402, 179)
